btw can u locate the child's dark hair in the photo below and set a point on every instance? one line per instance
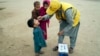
(30, 23)
(45, 2)
(36, 2)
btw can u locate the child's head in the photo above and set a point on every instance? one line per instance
(46, 3)
(33, 23)
(37, 5)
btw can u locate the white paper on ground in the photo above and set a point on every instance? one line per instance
(63, 48)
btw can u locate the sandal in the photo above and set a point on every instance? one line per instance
(55, 48)
(70, 50)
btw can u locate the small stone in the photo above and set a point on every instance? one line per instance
(26, 45)
(93, 20)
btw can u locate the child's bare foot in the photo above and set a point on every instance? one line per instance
(41, 52)
(37, 54)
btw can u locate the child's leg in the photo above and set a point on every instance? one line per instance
(37, 49)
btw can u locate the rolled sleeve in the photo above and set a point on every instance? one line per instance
(47, 17)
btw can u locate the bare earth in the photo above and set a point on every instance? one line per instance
(16, 38)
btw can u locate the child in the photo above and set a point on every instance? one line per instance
(39, 41)
(43, 24)
(35, 11)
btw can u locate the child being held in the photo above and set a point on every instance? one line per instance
(35, 11)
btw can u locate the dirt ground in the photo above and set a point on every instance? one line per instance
(16, 38)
